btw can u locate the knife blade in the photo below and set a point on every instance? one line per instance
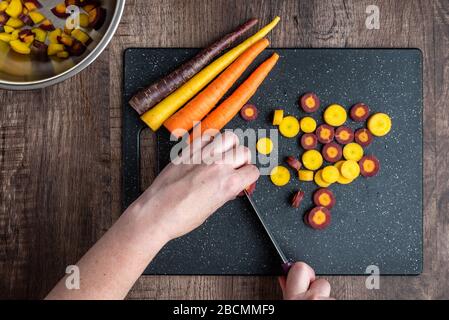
(286, 264)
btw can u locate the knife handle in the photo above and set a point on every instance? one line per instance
(286, 267)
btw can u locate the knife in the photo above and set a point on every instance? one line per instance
(286, 264)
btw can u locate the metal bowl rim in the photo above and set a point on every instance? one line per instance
(91, 57)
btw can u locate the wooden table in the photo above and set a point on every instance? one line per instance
(60, 147)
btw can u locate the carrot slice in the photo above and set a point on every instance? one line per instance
(309, 141)
(363, 137)
(369, 166)
(324, 197)
(335, 115)
(341, 178)
(353, 151)
(280, 176)
(325, 133)
(379, 124)
(319, 179)
(332, 152)
(350, 169)
(344, 135)
(249, 112)
(318, 218)
(359, 112)
(330, 174)
(289, 127)
(308, 124)
(312, 159)
(264, 146)
(309, 102)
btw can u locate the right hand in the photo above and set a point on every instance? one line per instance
(301, 284)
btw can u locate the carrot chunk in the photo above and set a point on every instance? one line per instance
(297, 199)
(278, 116)
(293, 162)
(305, 175)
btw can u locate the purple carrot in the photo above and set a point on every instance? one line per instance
(148, 97)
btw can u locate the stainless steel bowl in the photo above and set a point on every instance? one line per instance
(22, 72)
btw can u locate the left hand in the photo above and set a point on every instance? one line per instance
(301, 284)
(196, 184)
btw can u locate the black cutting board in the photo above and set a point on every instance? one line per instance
(376, 221)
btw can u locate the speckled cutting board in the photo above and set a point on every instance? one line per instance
(376, 221)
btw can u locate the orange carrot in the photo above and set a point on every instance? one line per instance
(227, 110)
(184, 120)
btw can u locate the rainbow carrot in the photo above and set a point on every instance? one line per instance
(184, 120)
(146, 98)
(155, 117)
(227, 110)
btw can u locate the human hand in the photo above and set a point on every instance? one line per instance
(185, 194)
(301, 284)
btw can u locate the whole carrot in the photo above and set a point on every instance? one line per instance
(146, 98)
(205, 101)
(155, 117)
(227, 110)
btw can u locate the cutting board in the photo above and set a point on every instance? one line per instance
(376, 221)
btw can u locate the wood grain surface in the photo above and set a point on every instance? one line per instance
(60, 155)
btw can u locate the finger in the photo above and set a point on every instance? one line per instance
(237, 156)
(192, 152)
(243, 177)
(320, 288)
(298, 280)
(282, 282)
(219, 145)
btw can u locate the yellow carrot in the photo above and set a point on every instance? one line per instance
(164, 109)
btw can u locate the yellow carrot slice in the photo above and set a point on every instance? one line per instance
(164, 109)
